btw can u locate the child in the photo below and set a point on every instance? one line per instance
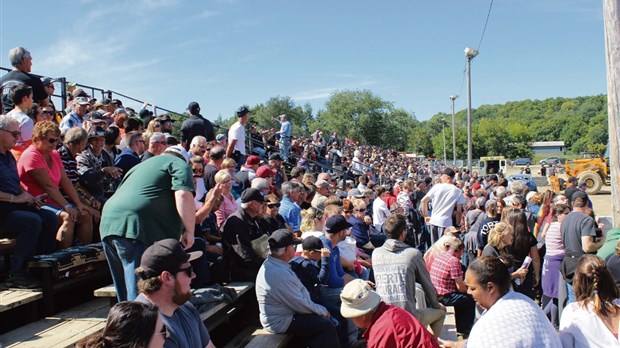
(312, 266)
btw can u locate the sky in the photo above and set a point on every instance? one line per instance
(227, 53)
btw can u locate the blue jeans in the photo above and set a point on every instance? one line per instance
(464, 313)
(570, 294)
(35, 232)
(314, 330)
(124, 256)
(285, 146)
(330, 298)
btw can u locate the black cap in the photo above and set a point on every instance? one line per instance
(117, 102)
(96, 131)
(312, 243)
(572, 179)
(106, 101)
(252, 194)
(493, 177)
(193, 108)
(449, 172)
(242, 111)
(165, 118)
(336, 224)
(282, 238)
(47, 80)
(166, 255)
(579, 194)
(275, 157)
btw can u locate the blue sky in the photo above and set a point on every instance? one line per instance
(225, 53)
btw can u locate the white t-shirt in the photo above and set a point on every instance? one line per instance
(237, 132)
(26, 126)
(444, 197)
(581, 327)
(380, 213)
(514, 321)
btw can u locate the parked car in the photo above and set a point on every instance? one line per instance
(527, 180)
(523, 162)
(553, 160)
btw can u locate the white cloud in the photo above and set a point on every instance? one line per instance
(205, 14)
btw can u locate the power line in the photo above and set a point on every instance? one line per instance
(485, 25)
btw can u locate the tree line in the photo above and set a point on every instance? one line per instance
(503, 129)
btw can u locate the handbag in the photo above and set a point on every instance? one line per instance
(569, 265)
(260, 246)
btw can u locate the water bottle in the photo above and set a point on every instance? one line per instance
(525, 265)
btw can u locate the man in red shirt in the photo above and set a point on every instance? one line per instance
(447, 277)
(386, 326)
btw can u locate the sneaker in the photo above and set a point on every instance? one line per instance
(23, 281)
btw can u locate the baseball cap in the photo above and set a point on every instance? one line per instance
(117, 102)
(252, 161)
(193, 107)
(282, 238)
(165, 118)
(312, 243)
(96, 131)
(144, 114)
(166, 255)
(321, 183)
(265, 171)
(336, 224)
(251, 194)
(579, 194)
(47, 80)
(220, 137)
(275, 157)
(242, 111)
(583, 184)
(355, 193)
(81, 101)
(179, 150)
(358, 299)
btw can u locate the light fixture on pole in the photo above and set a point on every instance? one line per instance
(470, 53)
(443, 130)
(453, 98)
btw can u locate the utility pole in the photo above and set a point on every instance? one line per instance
(453, 98)
(611, 14)
(443, 130)
(470, 53)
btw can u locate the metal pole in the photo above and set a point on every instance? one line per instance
(469, 141)
(453, 98)
(443, 130)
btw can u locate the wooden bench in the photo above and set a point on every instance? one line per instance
(253, 337)
(61, 330)
(212, 318)
(14, 298)
(7, 247)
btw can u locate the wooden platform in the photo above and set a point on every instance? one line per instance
(10, 299)
(61, 330)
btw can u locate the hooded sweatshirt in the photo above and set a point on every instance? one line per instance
(397, 267)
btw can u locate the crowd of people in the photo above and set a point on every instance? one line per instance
(347, 244)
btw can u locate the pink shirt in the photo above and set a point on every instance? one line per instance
(227, 207)
(33, 159)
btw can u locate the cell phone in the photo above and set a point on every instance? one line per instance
(41, 197)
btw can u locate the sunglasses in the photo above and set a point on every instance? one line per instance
(15, 134)
(273, 205)
(359, 210)
(52, 140)
(156, 125)
(196, 171)
(47, 112)
(189, 271)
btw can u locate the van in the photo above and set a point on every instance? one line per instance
(493, 165)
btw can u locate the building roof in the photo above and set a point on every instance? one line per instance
(547, 143)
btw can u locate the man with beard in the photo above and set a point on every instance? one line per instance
(164, 278)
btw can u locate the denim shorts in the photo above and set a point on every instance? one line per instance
(56, 209)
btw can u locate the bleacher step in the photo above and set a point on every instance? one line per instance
(61, 330)
(14, 298)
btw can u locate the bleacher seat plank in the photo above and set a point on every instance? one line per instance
(62, 330)
(10, 299)
(106, 291)
(264, 338)
(449, 326)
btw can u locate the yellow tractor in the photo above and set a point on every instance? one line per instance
(591, 169)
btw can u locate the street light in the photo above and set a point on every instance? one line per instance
(453, 98)
(470, 53)
(443, 130)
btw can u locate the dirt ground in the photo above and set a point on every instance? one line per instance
(600, 202)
